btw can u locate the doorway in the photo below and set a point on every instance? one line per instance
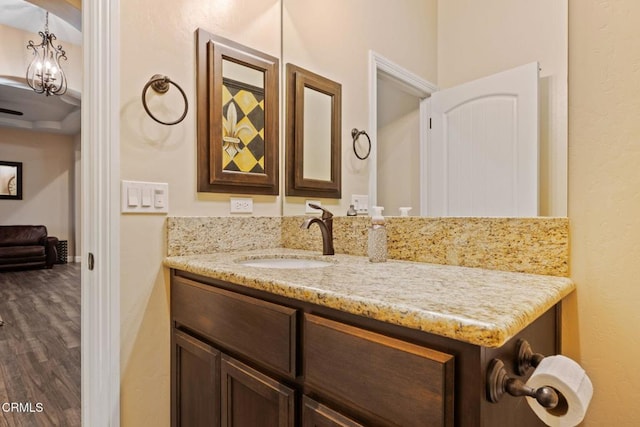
(41, 336)
(399, 110)
(398, 141)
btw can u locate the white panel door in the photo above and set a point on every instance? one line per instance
(482, 155)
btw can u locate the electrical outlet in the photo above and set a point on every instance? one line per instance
(360, 203)
(241, 205)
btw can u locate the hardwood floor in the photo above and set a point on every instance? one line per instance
(40, 347)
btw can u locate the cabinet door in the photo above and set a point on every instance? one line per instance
(195, 378)
(252, 399)
(315, 414)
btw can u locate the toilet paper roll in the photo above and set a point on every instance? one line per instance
(573, 384)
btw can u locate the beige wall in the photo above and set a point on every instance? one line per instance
(599, 324)
(158, 37)
(397, 141)
(151, 152)
(48, 175)
(333, 38)
(601, 319)
(476, 39)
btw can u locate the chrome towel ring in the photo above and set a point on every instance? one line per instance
(160, 84)
(355, 134)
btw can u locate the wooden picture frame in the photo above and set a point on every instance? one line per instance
(10, 180)
(226, 133)
(298, 182)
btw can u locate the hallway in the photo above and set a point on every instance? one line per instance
(40, 347)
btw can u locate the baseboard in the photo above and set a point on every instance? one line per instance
(75, 259)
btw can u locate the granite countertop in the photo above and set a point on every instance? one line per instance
(478, 306)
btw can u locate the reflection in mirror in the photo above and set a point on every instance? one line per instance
(316, 157)
(441, 42)
(242, 118)
(314, 122)
(241, 73)
(237, 117)
(397, 144)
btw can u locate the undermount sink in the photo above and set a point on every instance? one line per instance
(284, 262)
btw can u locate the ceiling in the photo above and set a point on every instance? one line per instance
(57, 114)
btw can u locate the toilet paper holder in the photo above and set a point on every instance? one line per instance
(499, 382)
(527, 359)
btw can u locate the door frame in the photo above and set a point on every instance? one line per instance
(408, 82)
(100, 142)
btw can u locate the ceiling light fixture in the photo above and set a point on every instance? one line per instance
(44, 74)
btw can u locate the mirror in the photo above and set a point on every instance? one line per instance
(237, 96)
(441, 42)
(316, 138)
(313, 134)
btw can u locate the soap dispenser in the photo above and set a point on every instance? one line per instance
(377, 236)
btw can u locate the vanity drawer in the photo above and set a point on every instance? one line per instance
(389, 381)
(259, 330)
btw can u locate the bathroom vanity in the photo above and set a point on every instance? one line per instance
(350, 343)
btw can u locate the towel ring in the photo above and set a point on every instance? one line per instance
(160, 84)
(355, 134)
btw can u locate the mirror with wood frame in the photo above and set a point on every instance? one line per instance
(237, 103)
(313, 135)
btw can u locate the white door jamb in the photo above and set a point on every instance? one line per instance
(100, 215)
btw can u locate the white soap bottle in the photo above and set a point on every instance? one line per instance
(377, 236)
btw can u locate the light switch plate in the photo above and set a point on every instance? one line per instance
(144, 197)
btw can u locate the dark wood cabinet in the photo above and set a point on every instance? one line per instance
(252, 399)
(258, 329)
(316, 414)
(195, 390)
(211, 389)
(393, 382)
(245, 357)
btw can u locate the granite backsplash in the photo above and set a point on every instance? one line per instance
(527, 245)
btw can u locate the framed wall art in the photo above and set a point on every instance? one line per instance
(10, 180)
(237, 103)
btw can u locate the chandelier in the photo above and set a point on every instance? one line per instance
(44, 73)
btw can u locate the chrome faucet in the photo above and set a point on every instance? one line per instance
(326, 228)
